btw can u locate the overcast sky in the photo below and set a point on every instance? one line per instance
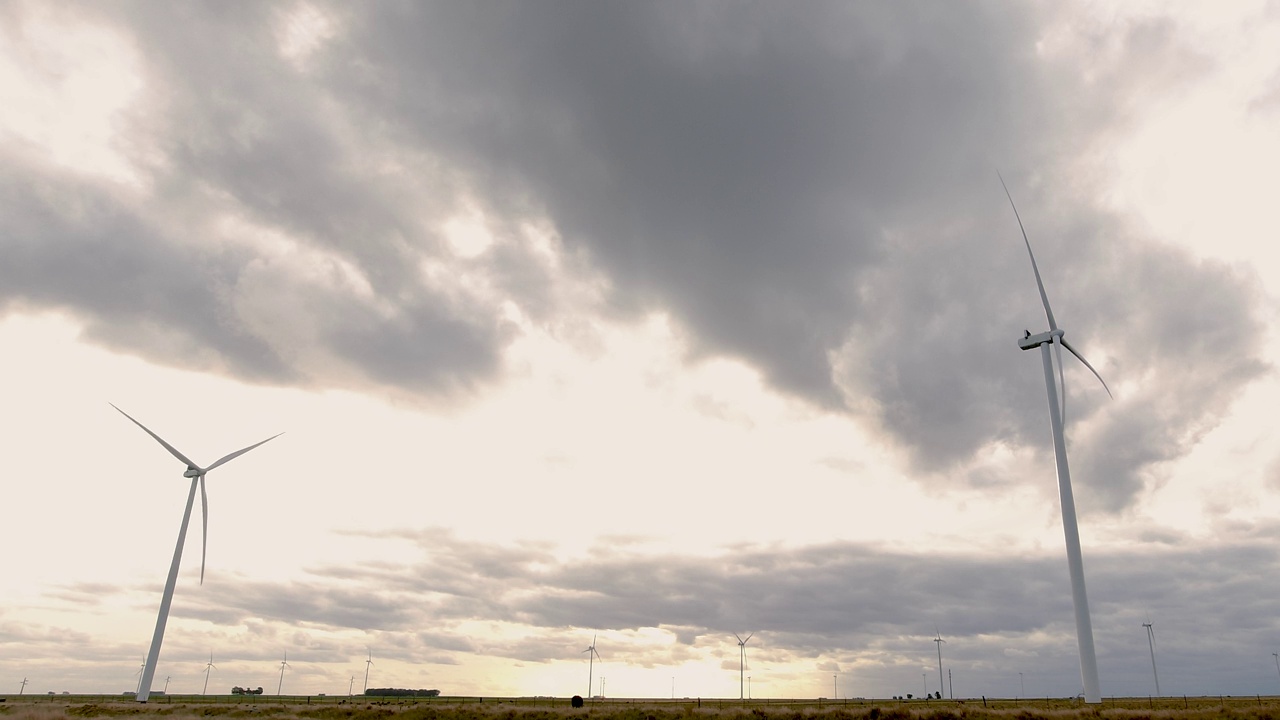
(648, 322)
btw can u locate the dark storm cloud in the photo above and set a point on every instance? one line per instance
(811, 191)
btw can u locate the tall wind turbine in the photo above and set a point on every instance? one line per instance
(1057, 416)
(938, 640)
(196, 473)
(1151, 644)
(367, 663)
(591, 658)
(742, 662)
(208, 666)
(24, 686)
(1274, 655)
(283, 664)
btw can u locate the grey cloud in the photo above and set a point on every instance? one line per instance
(834, 601)
(811, 192)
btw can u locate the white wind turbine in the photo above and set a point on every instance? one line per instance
(742, 662)
(283, 664)
(208, 666)
(367, 663)
(938, 640)
(591, 658)
(1057, 415)
(1151, 644)
(196, 473)
(141, 669)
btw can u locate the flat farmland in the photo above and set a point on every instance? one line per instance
(70, 707)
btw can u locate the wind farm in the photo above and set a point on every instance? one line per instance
(666, 324)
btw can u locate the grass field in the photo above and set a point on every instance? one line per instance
(182, 707)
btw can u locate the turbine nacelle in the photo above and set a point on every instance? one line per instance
(1031, 342)
(192, 472)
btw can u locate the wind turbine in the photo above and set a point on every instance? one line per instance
(1057, 416)
(938, 640)
(166, 683)
(24, 686)
(283, 664)
(196, 473)
(592, 654)
(141, 669)
(351, 685)
(1151, 644)
(1274, 655)
(367, 663)
(209, 666)
(742, 662)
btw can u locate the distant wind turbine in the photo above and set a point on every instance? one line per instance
(196, 473)
(367, 663)
(1274, 655)
(283, 664)
(938, 641)
(1151, 644)
(208, 666)
(592, 654)
(351, 685)
(24, 686)
(166, 683)
(141, 669)
(742, 662)
(1057, 416)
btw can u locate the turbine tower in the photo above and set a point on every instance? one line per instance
(196, 473)
(591, 658)
(208, 666)
(367, 663)
(742, 662)
(283, 664)
(1151, 644)
(938, 640)
(1057, 415)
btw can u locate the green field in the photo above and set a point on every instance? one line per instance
(182, 707)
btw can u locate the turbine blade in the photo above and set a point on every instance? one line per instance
(740, 641)
(1044, 298)
(204, 518)
(240, 452)
(1086, 364)
(1062, 380)
(172, 450)
(744, 642)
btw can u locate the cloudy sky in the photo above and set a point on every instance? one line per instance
(652, 322)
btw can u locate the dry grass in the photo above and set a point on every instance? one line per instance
(35, 708)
